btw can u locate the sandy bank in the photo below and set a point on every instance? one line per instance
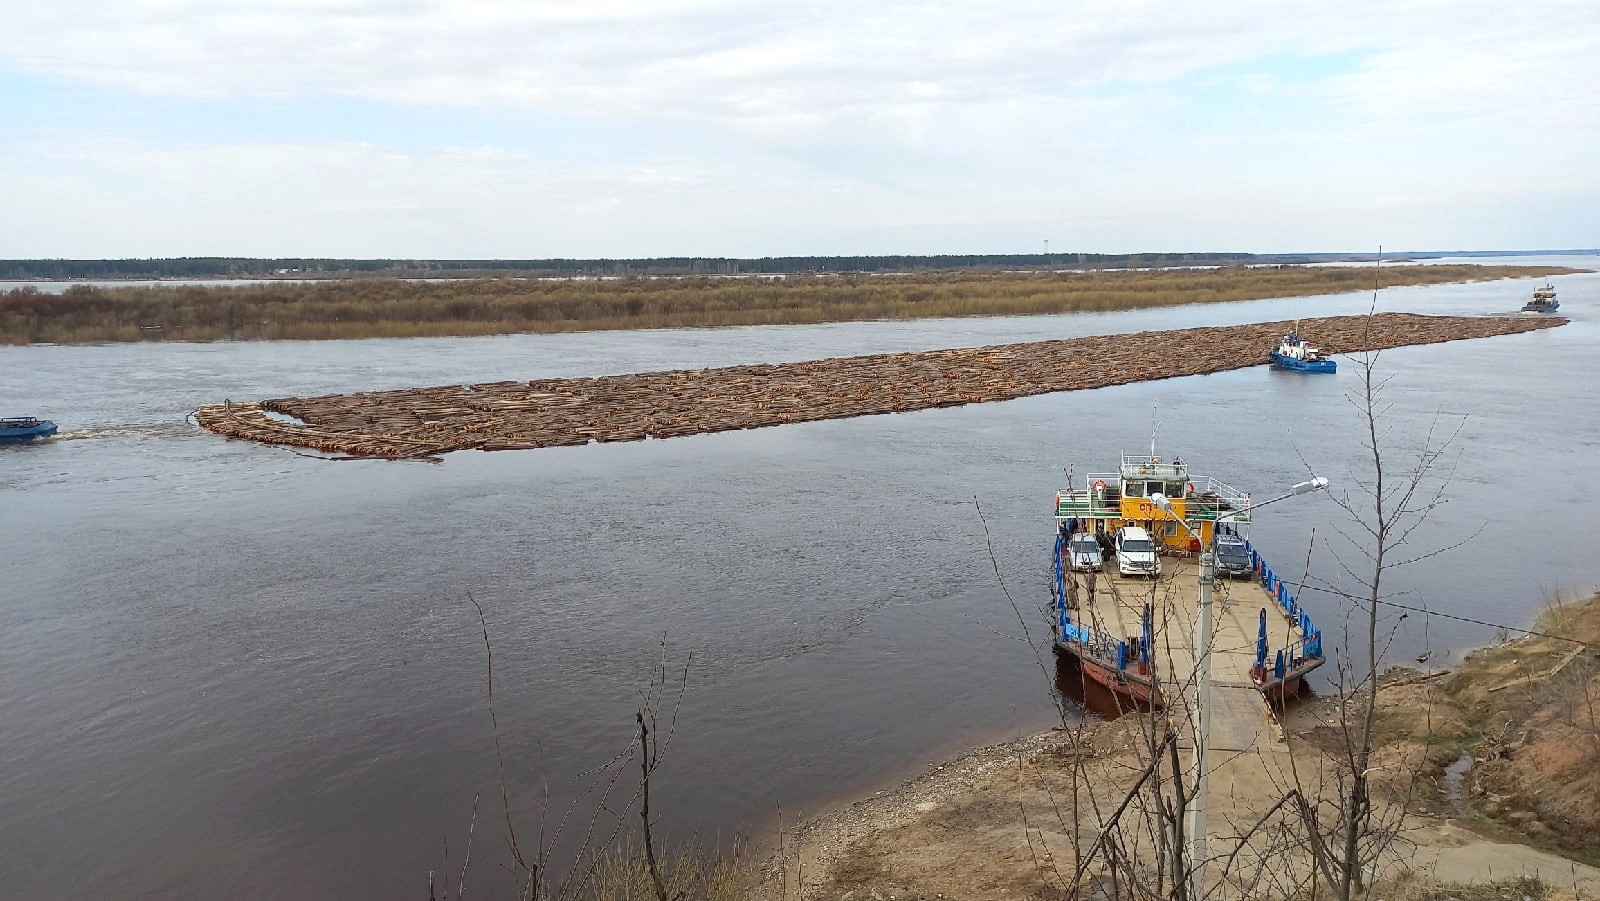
(999, 822)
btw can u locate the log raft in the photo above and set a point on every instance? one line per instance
(512, 415)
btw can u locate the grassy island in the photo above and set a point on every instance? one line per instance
(396, 308)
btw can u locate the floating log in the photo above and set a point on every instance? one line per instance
(425, 422)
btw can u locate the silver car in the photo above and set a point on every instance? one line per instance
(1083, 553)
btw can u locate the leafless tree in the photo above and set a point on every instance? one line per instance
(1386, 508)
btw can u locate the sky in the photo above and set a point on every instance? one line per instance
(747, 128)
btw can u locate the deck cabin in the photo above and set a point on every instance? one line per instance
(1110, 501)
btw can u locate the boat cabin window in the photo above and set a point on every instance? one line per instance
(1134, 489)
(1175, 489)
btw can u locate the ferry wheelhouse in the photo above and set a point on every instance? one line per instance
(1122, 498)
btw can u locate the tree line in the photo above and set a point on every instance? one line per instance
(250, 267)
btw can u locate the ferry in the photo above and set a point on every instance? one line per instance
(1294, 353)
(1544, 300)
(1100, 618)
(22, 429)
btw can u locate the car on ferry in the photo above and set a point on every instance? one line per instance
(1135, 552)
(1233, 557)
(1083, 553)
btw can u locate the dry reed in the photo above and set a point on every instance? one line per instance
(392, 308)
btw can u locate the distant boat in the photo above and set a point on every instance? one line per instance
(1544, 300)
(1294, 353)
(22, 429)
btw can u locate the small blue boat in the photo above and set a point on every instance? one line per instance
(1294, 353)
(22, 429)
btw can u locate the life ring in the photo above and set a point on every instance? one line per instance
(1189, 490)
(1099, 485)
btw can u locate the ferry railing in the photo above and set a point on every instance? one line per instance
(1213, 498)
(1136, 466)
(1087, 501)
(1084, 503)
(1092, 640)
(1308, 646)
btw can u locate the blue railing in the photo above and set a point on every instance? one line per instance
(1310, 642)
(1096, 642)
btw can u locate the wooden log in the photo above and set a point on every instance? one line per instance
(561, 412)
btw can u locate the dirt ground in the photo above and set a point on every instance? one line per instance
(1527, 714)
(1523, 822)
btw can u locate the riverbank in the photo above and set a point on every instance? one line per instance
(994, 823)
(396, 308)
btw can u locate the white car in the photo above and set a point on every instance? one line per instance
(1083, 553)
(1136, 553)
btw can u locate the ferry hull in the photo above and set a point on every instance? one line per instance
(1277, 691)
(1134, 688)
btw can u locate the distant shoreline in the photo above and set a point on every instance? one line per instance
(291, 268)
(289, 308)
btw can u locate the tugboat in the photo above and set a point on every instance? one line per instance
(1294, 353)
(22, 429)
(1544, 300)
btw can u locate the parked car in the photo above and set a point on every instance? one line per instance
(1136, 553)
(1083, 553)
(1233, 557)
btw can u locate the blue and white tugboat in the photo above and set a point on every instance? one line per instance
(1294, 353)
(1544, 300)
(22, 429)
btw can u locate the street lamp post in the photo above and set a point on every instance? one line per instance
(1200, 717)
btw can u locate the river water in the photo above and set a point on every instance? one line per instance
(228, 670)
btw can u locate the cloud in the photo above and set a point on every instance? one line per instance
(748, 61)
(713, 122)
(117, 198)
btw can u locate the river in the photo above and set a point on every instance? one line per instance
(229, 670)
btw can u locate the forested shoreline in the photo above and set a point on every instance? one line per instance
(331, 267)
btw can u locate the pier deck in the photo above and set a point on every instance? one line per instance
(1241, 719)
(1247, 758)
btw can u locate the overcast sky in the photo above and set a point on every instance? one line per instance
(627, 128)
